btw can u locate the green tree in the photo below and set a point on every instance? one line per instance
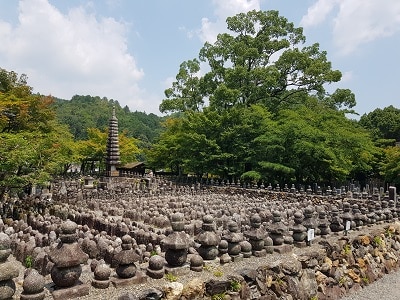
(185, 92)
(390, 165)
(383, 123)
(322, 145)
(261, 62)
(29, 135)
(268, 111)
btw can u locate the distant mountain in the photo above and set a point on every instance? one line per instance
(82, 112)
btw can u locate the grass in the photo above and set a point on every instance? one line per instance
(28, 262)
(220, 296)
(346, 249)
(217, 272)
(378, 240)
(235, 286)
(171, 277)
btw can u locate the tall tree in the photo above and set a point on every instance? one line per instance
(264, 61)
(383, 123)
(29, 135)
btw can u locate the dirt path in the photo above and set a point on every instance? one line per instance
(386, 288)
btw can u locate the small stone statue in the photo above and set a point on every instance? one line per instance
(256, 236)
(233, 237)
(67, 258)
(277, 229)
(177, 243)
(208, 239)
(299, 230)
(7, 270)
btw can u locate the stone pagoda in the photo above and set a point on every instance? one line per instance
(112, 158)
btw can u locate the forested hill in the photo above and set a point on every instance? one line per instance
(83, 112)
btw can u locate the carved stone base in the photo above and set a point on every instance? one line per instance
(100, 284)
(37, 296)
(121, 282)
(300, 244)
(281, 249)
(76, 291)
(178, 271)
(260, 253)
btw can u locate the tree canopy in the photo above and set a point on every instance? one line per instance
(33, 144)
(263, 61)
(261, 109)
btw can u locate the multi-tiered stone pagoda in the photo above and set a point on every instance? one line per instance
(112, 158)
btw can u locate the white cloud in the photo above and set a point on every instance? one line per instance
(223, 9)
(357, 21)
(73, 53)
(361, 21)
(318, 12)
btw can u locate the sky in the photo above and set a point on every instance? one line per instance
(130, 50)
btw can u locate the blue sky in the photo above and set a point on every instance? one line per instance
(130, 50)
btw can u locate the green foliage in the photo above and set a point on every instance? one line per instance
(313, 143)
(235, 286)
(262, 61)
(218, 273)
(378, 240)
(347, 249)
(185, 91)
(28, 261)
(269, 117)
(79, 115)
(170, 277)
(34, 146)
(219, 296)
(383, 123)
(251, 177)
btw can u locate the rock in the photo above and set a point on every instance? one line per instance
(7, 289)
(194, 289)
(8, 270)
(173, 290)
(291, 266)
(308, 283)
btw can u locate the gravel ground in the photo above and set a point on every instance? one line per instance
(386, 288)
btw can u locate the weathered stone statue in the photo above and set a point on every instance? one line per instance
(299, 230)
(208, 239)
(177, 243)
(256, 236)
(336, 221)
(323, 224)
(277, 229)
(7, 270)
(233, 236)
(67, 258)
(33, 286)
